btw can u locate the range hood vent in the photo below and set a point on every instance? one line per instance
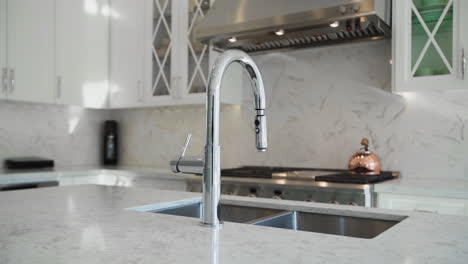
(264, 25)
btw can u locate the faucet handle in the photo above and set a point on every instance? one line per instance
(183, 164)
(187, 143)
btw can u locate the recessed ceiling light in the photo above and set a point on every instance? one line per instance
(335, 24)
(279, 32)
(232, 39)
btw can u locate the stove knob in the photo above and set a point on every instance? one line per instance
(356, 8)
(277, 194)
(353, 204)
(310, 200)
(342, 10)
(252, 192)
(334, 202)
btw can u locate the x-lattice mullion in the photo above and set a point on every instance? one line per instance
(197, 67)
(200, 12)
(431, 37)
(198, 60)
(161, 64)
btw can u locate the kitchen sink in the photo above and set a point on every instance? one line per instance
(359, 227)
(229, 213)
(330, 224)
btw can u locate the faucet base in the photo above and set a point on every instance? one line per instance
(219, 225)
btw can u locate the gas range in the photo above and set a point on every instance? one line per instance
(298, 184)
(308, 174)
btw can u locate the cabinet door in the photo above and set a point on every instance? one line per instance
(197, 54)
(422, 204)
(127, 53)
(31, 49)
(197, 58)
(82, 49)
(179, 67)
(162, 81)
(428, 44)
(3, 62)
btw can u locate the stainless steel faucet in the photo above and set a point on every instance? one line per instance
(210, 165)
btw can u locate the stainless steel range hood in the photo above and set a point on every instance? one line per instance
(262, 25)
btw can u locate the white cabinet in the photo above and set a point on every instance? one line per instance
(423, 204)
(430, 42)
(179, 66)
(31, 50)
(82, 52)
(160, 63)
(3, 62)
(127, 54)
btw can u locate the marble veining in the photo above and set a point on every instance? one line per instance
(70, 135)
(320, 103)
(90, 224)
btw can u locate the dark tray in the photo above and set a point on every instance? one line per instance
(28, 163)
(356, 178)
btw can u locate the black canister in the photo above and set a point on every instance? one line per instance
(110, 149)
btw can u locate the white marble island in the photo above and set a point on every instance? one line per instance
(90, 224)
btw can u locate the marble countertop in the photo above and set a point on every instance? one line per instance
(410, 186)
(92, 224)
(425, 187)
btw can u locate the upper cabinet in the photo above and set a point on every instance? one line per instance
(174, 65)
(30, 51)
(55, 51)
(127, 54)
(82, 52)
(430, 42)
(180, 64)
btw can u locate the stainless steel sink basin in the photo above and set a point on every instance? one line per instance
(359, 227)
(330, 224)
(229, 213)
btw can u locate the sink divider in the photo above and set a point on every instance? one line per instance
(287, 220)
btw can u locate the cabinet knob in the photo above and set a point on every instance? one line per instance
(426, 211)
(59, 87)
(463, 68)
(4, 80)
(12, 80)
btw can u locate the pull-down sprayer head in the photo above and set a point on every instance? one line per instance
(261, 131)
(259, 95)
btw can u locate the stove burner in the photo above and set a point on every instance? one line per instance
(337, 176)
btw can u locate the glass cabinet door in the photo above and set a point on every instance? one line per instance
(432, 37)
(162, 48)
(198, 53)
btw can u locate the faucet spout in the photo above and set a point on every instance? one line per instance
(210, 165)
(212, 170)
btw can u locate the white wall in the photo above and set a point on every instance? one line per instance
(70, 135)
(321, 102)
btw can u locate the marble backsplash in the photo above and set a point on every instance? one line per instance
(69, 135)
(321, 102)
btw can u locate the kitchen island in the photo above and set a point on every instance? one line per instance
(94, 224)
